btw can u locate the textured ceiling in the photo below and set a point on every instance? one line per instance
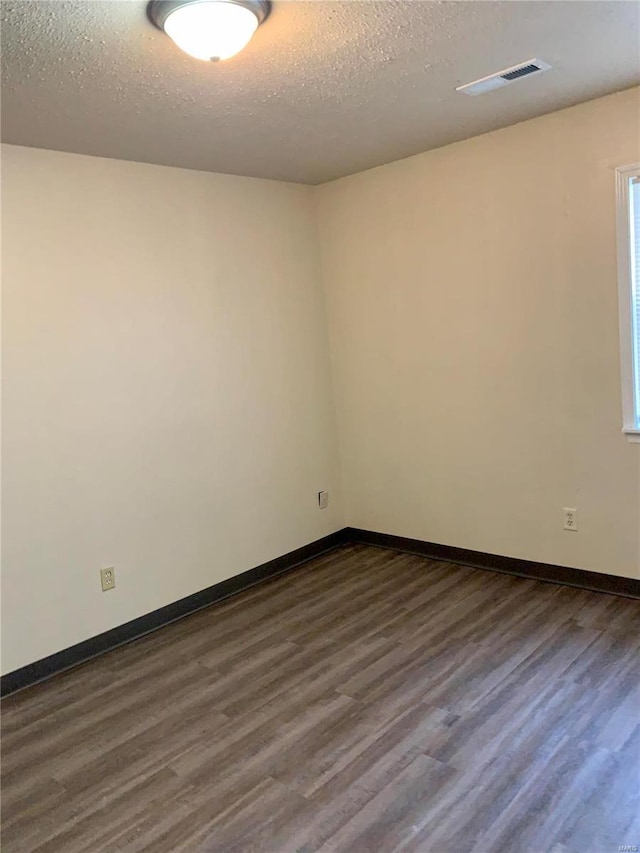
(324, 89)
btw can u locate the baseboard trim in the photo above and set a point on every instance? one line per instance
(563, 575)
(82, 652)
(43, 669)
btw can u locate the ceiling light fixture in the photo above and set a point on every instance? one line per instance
(209, 29)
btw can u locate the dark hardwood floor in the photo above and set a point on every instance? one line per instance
(368, 702)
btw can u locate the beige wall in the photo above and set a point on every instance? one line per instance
(167, 395)
(472, 301)
(167, 401)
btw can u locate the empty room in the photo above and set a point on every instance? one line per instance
(320, 426)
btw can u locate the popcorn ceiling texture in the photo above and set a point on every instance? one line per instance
(323, 90)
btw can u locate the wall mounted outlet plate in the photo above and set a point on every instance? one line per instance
(570, 518)
(107, 579)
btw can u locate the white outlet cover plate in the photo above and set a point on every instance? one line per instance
(107, 579)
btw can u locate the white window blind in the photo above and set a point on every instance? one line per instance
(628, 233)
(634, 246)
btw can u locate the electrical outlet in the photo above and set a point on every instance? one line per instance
(323, 500)
(107, 579)
(570, 518)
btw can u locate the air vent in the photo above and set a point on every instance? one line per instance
(521, 72)
(504, 77)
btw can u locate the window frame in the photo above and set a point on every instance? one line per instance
(625, 303)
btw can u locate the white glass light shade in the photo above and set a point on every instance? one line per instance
(213, 30)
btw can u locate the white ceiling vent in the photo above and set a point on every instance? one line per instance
(504, 77)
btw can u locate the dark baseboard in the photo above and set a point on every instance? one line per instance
(563, 575)
(84, 651)
(122, 634)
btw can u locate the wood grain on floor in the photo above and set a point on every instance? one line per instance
(367, 702)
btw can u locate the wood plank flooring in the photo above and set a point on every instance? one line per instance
(368, 702)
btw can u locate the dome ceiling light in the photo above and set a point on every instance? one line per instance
(209, 29)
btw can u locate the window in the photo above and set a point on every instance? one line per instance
(628, 210)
